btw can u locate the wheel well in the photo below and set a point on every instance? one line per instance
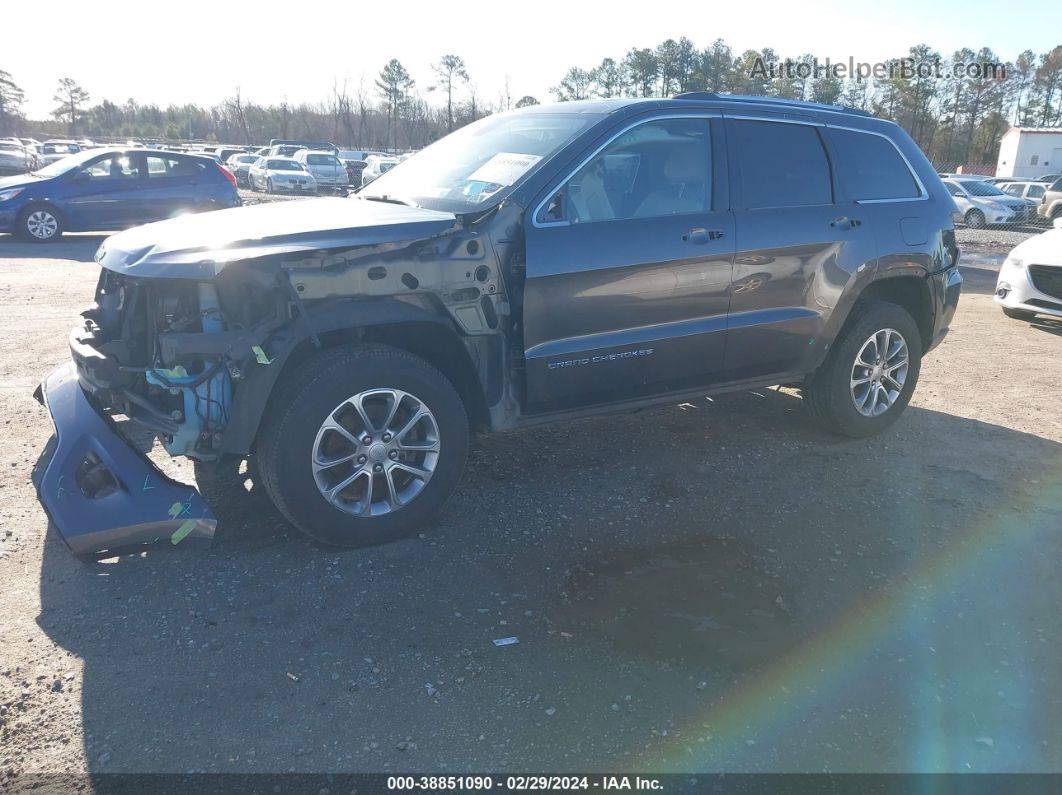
(910, 292)
(432, 342)
(41, 203)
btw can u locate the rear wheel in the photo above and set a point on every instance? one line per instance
(362, 445)
(41, 224)
(975, 219)
(868, 377)
(1018, 314)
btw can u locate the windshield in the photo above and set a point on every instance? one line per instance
(284, 165)
(321, 160)
(977, 188)
(60, 149)
(481, 161)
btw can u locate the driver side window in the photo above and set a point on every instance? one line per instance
(658, 168)
(112, 167)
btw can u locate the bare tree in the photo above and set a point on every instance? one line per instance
(234, 105)
(71, 98)
(449, 69)
(394, 85)
(11, 99)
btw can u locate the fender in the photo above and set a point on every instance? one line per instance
(858, 288)
(252, 394)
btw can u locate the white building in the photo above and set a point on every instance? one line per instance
(1030, 152)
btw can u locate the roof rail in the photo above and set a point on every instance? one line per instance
(790, 103)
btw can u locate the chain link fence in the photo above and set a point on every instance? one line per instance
(1001, 210)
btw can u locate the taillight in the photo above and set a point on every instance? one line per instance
(228, 175)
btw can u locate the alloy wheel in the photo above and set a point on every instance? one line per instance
(375, 452)
(879, 372)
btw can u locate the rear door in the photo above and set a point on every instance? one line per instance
(104, 193)
(797, 244)
(628, 268)
(172, 185)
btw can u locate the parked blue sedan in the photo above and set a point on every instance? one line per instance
(112, 189)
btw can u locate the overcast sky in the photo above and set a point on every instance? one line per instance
(198, 51)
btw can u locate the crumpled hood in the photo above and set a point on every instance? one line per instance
(198, 246)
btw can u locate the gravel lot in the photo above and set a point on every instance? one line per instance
(712, 586)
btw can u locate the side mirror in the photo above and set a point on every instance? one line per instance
(81, 177)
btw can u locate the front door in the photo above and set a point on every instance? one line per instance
(628, 269)
(104, 193)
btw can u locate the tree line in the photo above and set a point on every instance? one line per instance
(389, 112)
(955, 119)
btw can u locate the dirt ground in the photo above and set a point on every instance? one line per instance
(712, 586)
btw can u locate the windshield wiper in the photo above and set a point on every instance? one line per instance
(388, 199)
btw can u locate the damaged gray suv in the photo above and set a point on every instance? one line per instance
(536, 266)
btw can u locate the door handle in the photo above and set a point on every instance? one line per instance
(702, 235)
(844, 222)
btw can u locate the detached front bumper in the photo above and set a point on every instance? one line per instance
(104, 496)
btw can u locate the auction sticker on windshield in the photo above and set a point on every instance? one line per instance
(504, 168)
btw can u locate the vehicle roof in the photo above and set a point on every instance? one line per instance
(606, 106)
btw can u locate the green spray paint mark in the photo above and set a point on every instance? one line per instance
(176, 372)
(179, 509)
(260, 355)
(182, 532)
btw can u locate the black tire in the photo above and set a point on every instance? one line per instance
(309, 395)
(269, 185)
(31, 217)
(975, 219)
(1018, 314)
(828, 391)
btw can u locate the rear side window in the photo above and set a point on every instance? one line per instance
(780, 165)
(158, 167)
(871, 168)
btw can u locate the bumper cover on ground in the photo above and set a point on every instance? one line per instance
(102, 494)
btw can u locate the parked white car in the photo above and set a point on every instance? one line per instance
(280, 175)
(53, 151)
(1030, 281)
(17, 158)
(983, 204)
(375, 166)
(1033, 190)
(327, 169)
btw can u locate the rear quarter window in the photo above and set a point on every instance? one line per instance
(871, 168)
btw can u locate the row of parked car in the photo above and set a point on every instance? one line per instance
(19, 155)
(1003, 201)
(77, 186)
(290, 168)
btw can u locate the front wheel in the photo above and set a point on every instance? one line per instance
(868, 377)
(975, 219)
(41, 224)
(362, 445)
(269, 186)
